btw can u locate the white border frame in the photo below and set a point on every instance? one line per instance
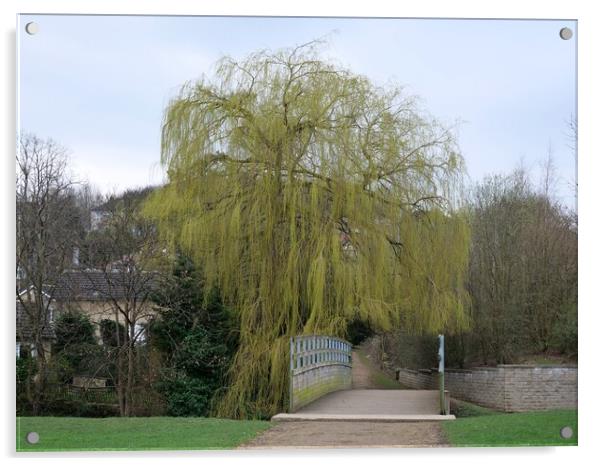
(590, 168)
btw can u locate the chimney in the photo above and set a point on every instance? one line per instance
(76, 257)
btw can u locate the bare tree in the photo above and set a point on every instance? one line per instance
(126, 257)
(87, 197)
(47, 229)
(523, 271)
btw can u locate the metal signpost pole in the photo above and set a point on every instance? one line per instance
(442, 374)
(290, 374)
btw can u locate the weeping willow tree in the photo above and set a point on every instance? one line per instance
(310, 197)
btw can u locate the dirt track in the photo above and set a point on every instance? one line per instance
(361, 374)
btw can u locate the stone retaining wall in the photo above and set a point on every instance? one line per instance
(510, 388)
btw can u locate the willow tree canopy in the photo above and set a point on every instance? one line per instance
(311, 197)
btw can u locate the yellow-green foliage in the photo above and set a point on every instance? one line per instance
(310, 197)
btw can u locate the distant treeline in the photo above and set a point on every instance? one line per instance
(522, 282)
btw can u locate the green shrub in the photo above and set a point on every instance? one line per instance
(185, 395)
(196, 336)
(110, 330)
(75, 351)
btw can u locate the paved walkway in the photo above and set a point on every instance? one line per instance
(371, 406)
(376, 402)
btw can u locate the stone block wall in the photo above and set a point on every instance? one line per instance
(510, 388)
(536, 388)
(421, 380)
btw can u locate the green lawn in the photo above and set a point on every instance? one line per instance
(151, 433)
(518, 429)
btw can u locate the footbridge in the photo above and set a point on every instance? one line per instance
(330, 382)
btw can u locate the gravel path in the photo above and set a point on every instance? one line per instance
(319, 434)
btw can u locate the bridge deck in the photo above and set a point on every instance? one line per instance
(367, 402)
(375, 402)
(371, 406)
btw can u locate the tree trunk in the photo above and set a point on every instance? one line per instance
(39, 379)
(119, 381)
(130, 371)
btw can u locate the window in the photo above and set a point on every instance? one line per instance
(140, 333)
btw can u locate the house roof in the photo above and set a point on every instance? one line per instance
(46, 289)
(97, 285)
(24, 327)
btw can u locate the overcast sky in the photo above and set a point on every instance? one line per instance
(99, 84)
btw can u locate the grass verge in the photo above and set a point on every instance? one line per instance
(518, 429)
(461, 408)
(151, 433)
(379, 378)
